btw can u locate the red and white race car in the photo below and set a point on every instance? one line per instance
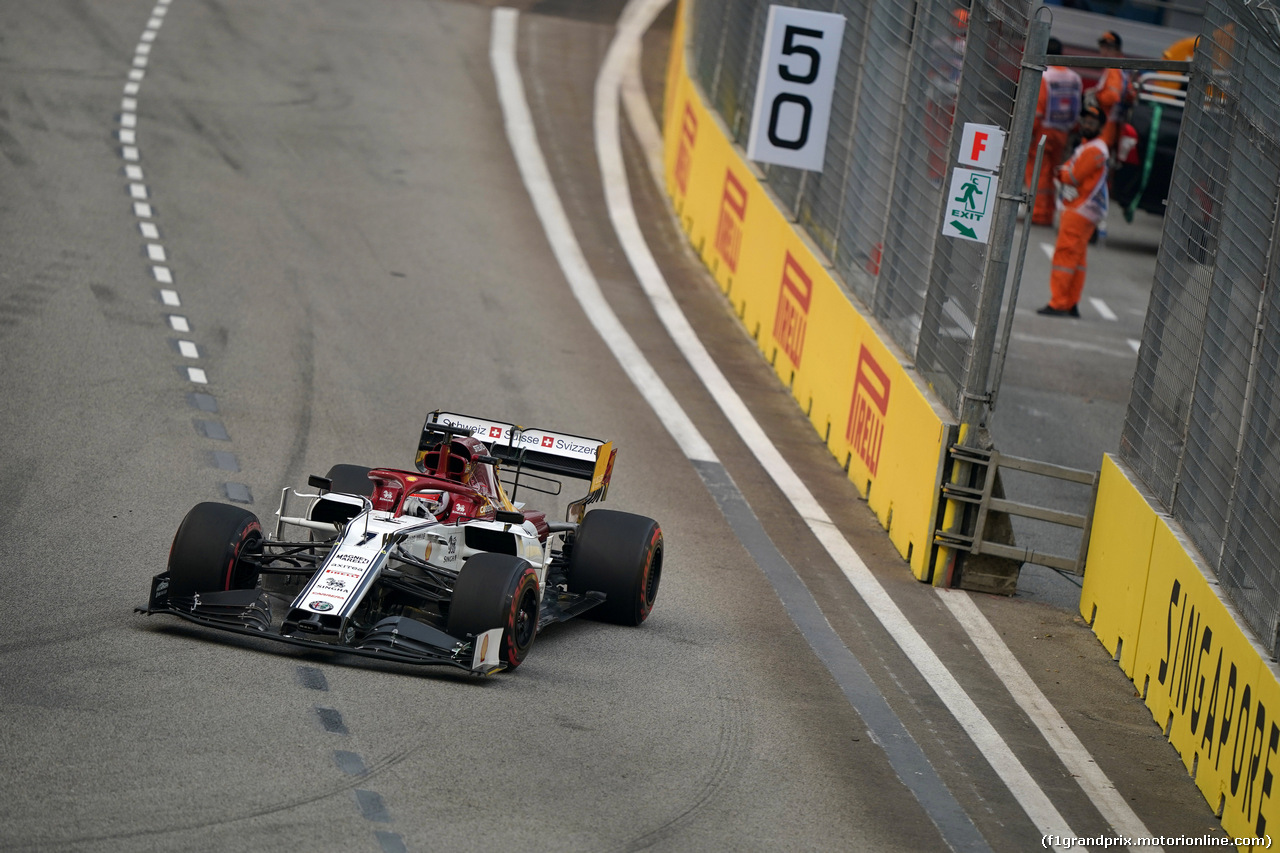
(435, 565)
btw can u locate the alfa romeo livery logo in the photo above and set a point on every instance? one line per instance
(322, 606)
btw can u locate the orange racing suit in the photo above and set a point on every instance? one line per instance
(1084, 180)
(1113, 94)
(1056, 111)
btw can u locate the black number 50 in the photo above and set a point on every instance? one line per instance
(789, 47)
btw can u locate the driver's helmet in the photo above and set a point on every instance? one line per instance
(426, 505)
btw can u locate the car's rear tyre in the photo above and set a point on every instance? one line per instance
(619, 554)
(497, 591)
(351, 480)
(209, 550)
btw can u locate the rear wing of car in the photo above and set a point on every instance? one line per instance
(549, 452)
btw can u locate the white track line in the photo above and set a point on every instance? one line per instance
(1103, 308)
(524, 144)
(564, 244)
(621, 60)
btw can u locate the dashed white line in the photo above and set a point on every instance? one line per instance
(1103, 308)
(136, 74)
(142, 210)
(162, 274)
(155, 252)
(139, 61)
(128, 120)
(197, 376)
(188, 349)
(128, 137)
(129, 105)
(149, 230)
(170, 298)
(138, 190)
(133, 173)
(129, 152)
(179, 323)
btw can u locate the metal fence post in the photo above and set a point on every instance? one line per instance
(976, 394)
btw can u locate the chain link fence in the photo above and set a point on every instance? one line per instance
(1203, 427)
(910, 73)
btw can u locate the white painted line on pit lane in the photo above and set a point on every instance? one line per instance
(188, 349)
(1078, 346)
(136, 74)
(148, 35)
(131, 88)
(197, 376)
(162, 274)
(1033, 800)
(128, 120)
(139, 61)
(129, 152)
(1075, 756)
(179, 323)
(138, 190)
(149, 230)
(133, 173)
(1103, 308)
(128, 137)
(170, 298)
(129, 105)
(565, 246)
(155, 252)
(142, 210)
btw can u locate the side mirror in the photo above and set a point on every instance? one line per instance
(324, 484)
(509, 517)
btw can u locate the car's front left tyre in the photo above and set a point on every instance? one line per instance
(214, 550)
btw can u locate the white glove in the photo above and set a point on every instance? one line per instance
(1069, 193)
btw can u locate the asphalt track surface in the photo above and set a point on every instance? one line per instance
(349, 244)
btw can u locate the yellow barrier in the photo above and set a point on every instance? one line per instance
(850, 380)
(1214, 691)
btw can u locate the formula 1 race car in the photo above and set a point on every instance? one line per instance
(431, 566)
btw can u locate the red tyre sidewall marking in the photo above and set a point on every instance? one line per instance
(252, 527)
(513, 612)
(650, 550)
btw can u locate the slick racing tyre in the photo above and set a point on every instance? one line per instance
(497, 591)
(619, 554)
(209, 550)
(351, 480)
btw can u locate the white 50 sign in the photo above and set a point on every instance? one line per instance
(793, 94)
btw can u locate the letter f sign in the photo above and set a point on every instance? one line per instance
(981, 146)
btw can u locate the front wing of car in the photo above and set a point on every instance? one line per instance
(396, 639)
